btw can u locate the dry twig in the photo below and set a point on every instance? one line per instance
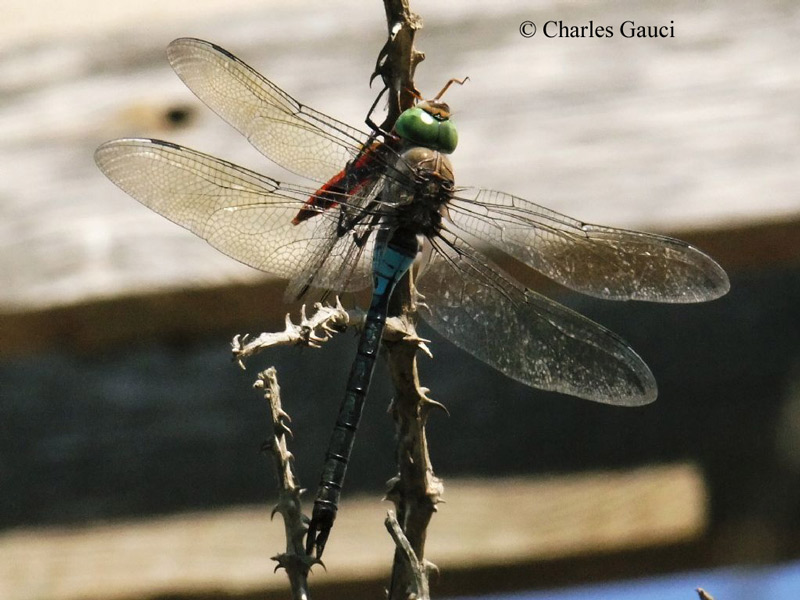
(295, 560)
(415, 490)
(314, 331)
(418, 568)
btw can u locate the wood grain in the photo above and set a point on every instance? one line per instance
(699, 132)
(481, 524)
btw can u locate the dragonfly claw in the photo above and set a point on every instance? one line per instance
(318, 530)
(317, 538)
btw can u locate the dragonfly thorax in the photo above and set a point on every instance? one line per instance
(419, 206)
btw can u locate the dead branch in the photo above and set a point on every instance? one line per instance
(295, 560)
(415, 490)
(314, 331)
(311, 332)
(419, 568)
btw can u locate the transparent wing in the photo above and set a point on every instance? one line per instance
(300, 139)
(525, 335)
(614, 264)
(241, 213)
(344, 265)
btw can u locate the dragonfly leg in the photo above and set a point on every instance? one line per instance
(376, 129)
(346, 224)
(361, 239)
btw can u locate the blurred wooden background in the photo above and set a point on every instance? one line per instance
(117, 400)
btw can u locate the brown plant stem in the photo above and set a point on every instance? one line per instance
(415, 490)
(295, 560)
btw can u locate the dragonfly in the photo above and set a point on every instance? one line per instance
(383, 200)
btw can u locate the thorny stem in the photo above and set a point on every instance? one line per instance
(419, 568)
(314, 331)
(415, 490)
(295, 560)
(398, 59)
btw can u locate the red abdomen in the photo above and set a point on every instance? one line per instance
(345, 183)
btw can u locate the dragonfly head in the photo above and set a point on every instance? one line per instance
(428, 123)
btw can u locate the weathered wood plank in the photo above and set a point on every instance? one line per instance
(699, 131)
(501, 522)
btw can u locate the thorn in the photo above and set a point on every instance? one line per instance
(318, 561)
(303, 316)
(423, 347)
(413, 338)
(430, 567)
(393, 489)
(428, 403)
(288, 321)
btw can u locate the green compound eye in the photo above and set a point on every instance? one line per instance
(417, 126)
(448, 137)
(420, 127)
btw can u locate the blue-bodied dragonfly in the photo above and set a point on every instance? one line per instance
(385, 198)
